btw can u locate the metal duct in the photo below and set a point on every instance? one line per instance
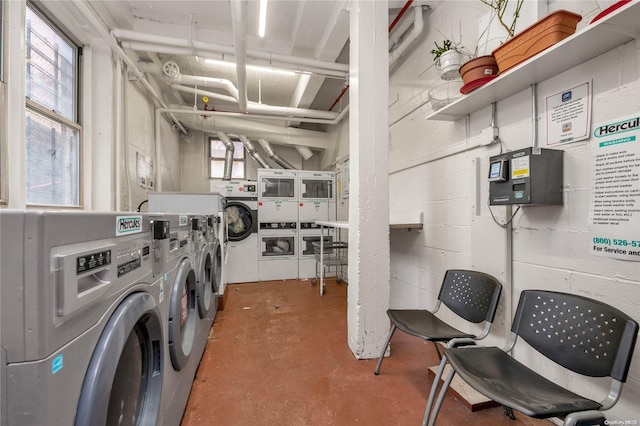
(280, 161)
(228, 156)
(305, 152)
(253, 153)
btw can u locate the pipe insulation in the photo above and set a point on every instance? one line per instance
(238, 122)
(186, 47)
(239, 23)
(253, 152)
(228, 155)
(418, 26)
(305, 152)
(272, 155)
(256, 108)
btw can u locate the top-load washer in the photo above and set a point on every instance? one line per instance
(82, 336)
(241, 218)
(316, 202)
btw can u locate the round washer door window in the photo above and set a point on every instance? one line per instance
(129, 369)
(182, 315)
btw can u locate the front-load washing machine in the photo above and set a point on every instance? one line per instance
(241, 218)
(181, 317)
(82, 338)
(206, 298)
(211, 206)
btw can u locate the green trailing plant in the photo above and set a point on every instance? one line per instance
(500, 8)
(439, 50)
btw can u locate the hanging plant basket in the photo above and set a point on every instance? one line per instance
(543, 34)
(448, 65)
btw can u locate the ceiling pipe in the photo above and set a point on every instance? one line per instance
(113, 44)
(256, 108)
(418, 26)
(187, 47)
(246, 116)
(272, 155)
(254, 153)
(239, 123)
(393, 39)
(218, 83)
(239, 24)
(305, 152)
(228, 155)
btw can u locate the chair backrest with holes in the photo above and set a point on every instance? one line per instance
(581, 334)
(472, 295)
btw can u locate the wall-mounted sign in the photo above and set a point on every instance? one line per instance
(569, 115)
(615, 190)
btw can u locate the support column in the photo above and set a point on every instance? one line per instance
(369, 270)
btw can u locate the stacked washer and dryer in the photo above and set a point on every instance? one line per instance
(317, 201)
(82, 324)
(278, 218)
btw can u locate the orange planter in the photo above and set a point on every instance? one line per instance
(480, 67)
(543, 34)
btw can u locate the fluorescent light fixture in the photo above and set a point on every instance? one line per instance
(251, 67)
(262, 23)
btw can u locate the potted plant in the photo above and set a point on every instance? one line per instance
(481, 69)
(448, 59)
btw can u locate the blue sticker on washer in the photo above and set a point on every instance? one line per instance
(56, 364)
(519, 194)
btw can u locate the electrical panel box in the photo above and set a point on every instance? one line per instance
(530, 176)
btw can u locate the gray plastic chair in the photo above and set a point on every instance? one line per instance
(583, 335)
(471, 295)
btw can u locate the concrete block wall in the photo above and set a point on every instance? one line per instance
(433, 170)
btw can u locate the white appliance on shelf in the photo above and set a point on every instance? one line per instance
(277, 195)
(278, 251)
(241, 216)
(317, 201)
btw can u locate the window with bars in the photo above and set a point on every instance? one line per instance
(53, 130)
(217, 152)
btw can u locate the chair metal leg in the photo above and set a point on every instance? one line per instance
(443, 391)
(434, 390)
(384, 349)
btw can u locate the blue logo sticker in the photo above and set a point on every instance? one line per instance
(57, 364)
(518, 194)
(566, 96)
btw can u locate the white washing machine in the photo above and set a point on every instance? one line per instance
(316, 202)
(241, 218)
(82, 336)
(278, 256)
(277, 195)
(181, 317)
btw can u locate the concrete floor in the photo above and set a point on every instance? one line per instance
(278, 355)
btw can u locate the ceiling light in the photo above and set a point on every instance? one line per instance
(251, 67)
(262, 23)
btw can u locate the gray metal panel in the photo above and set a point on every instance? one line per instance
(185, 202)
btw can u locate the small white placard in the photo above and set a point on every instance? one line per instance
(569, 115)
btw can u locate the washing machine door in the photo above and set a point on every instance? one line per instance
(217, 267)
(182, 315)
(204, 286)
(123, 383)
(242, 221)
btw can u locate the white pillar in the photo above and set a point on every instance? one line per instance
(368, 293)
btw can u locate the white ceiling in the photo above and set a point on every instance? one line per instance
(309, 29)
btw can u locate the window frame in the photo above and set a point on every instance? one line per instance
(53, 115)
(210, 157)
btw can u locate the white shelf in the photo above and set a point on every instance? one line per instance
(615, 29)
(411, 220)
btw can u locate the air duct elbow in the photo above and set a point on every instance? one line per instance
(253, 152)
(228, 156)
(272, 155)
